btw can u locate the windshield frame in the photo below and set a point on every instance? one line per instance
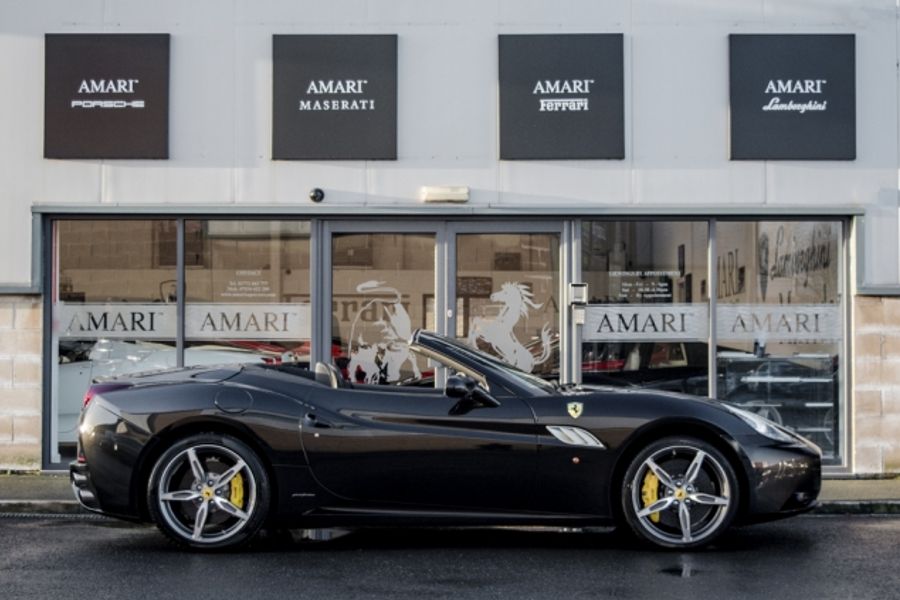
(529, 381)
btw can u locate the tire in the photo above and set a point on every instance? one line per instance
(695, 503)
(224, 508)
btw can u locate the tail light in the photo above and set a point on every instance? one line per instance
(88, 396)
(100, 388)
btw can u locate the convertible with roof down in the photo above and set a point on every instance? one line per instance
(214, 454)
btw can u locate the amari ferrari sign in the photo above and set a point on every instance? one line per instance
(561, 96)
(793, 97)
(334, 97)
(106, 96)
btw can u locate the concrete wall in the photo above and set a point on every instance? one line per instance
(20, 382)
(676, 109)
(876, 385)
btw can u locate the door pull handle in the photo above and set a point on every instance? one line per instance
(311, 420)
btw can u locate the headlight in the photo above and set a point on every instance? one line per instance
(762, 426)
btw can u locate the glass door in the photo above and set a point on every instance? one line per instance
(505, 292)
(381, 282)
(494, 286)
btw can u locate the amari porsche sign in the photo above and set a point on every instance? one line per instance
(334, 97)
(106, 96)
(561, 96)
(793, 97)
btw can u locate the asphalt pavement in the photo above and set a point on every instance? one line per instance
(810, 557)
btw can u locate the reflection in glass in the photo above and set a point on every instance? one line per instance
(780, 323)
(114, 310)
(247, 288)
(382, 291)
(660, 267)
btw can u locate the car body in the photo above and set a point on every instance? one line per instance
(214, 454)
(107, 358)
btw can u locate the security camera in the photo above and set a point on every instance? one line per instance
(316, 194)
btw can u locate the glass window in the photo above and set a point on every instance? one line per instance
(113, 309)
(247, 288)
(647, 322)
(507, 298)
(779, 323)
(382, 291)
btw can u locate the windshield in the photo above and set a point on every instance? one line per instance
(527, 379)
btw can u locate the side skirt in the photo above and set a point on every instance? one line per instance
(361, 517)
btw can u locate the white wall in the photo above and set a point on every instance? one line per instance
(676, 95)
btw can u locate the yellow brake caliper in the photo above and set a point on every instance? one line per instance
(650, 493)
(237, 491)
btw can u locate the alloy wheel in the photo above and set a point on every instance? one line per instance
(681, 494)
(206, 494)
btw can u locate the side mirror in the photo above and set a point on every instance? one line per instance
(469, 394)
(460, 386)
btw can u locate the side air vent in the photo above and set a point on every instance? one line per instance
(574, 436)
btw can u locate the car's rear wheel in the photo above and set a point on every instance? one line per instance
(679, 493)
(209, 491)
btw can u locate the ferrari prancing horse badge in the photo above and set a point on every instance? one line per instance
(575, 409)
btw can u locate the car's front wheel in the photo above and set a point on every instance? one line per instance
(680, 493)
(209, 491)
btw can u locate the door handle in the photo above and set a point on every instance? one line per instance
(311, 420)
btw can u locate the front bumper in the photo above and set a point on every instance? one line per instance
(785, 480)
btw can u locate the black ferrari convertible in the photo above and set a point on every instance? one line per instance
(211, 455)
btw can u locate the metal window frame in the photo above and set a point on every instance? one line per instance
(845, 433)
(446, 224)
(45, 237)
(547, 226)
(332, 227)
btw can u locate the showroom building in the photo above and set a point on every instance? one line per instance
(695, 197)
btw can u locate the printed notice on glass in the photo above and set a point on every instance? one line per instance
(645, 323)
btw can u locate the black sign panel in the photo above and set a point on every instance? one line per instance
(334, 97)
(793, 97)
(561, 96)
(106, 96)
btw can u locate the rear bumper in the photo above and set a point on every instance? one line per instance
(90, 498)
(80, 478)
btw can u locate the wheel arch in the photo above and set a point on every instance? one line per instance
(701, 430)
(165, 438)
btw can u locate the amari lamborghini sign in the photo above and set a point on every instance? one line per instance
(793, 97)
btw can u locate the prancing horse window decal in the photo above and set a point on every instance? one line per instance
(499, 332)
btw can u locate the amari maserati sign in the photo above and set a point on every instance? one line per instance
(793, 97)
(106, 96)
(561, 96)
(334, 97)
